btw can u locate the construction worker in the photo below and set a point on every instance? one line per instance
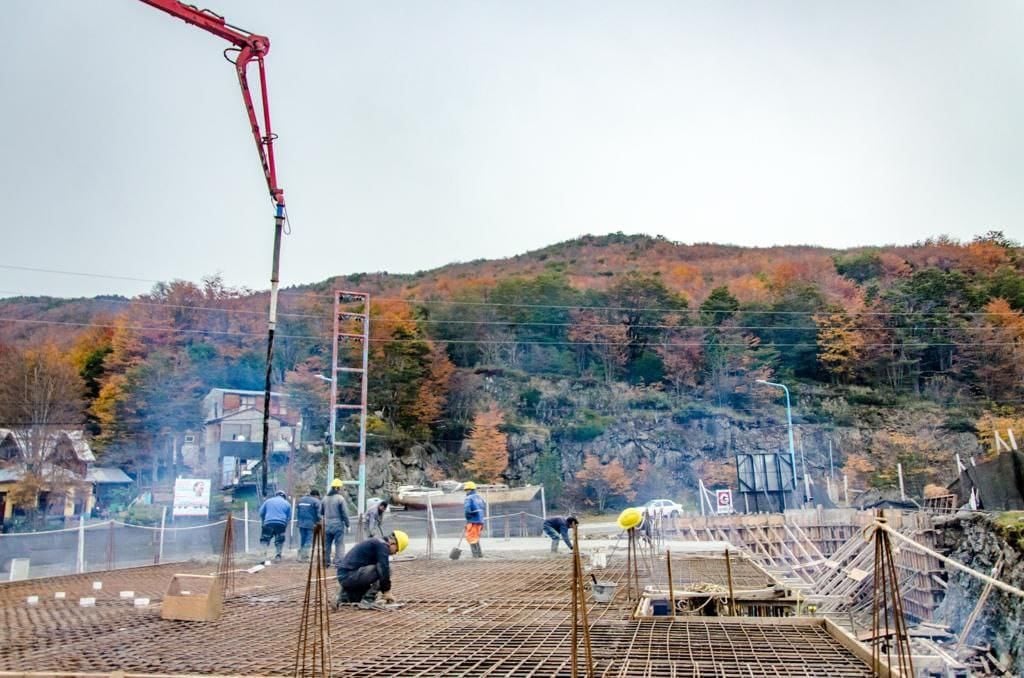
(557, 528)
(335, 515)
(474, 507)
(308, 513)
(275, 514)
(374, 519)
(365, 570)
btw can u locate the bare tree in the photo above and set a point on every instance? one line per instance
(41, 401)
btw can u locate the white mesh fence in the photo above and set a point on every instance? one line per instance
(113, 544)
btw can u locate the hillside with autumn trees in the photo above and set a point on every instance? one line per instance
(609, 367)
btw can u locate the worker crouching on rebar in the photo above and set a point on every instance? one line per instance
(557, 527)
(474, 507)
(365, 570)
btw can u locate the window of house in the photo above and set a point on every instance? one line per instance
(239, 432)
(8, 450)
(248, 401)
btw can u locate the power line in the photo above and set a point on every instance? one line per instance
(584, 307)
(506, 342)
(516, 323)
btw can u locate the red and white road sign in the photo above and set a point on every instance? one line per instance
(724, 500)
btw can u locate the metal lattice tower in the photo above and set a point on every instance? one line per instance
(350, 356)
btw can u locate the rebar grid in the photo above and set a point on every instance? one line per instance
(461, 618)
(711, 570)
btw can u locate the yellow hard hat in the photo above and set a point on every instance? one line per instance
(469, 486)
(630, 518)
(401, 540)
(336, 482)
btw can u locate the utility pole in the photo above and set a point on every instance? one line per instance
(789, 423)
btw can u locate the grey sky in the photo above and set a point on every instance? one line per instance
(418, 133)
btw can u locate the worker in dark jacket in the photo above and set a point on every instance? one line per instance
(365, 570)
(557, 527)
(275, 514)
(308, 513)
(335, 515)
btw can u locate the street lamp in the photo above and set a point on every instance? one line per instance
(789, 422)
(333, 424)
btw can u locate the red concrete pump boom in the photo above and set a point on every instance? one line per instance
(248, 47)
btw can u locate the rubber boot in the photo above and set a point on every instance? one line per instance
(477, 552)
(554, 546)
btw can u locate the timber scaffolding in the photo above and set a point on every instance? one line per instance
(823, 553)
(460, 618)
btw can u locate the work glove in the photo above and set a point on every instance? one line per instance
(388, 598)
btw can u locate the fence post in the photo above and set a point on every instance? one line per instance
(543, 504)
(245, 524)
(291, 527)
(430, 537)
(430, 530)
(110, 547)
(80, 562)
(487, 516)
(163, 526)
(508, 535)
(431, 519)
(522, 523)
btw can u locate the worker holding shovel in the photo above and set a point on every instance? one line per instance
(557, 527)
(474, 507)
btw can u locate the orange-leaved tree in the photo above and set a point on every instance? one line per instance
(600, 482)
(489, 446)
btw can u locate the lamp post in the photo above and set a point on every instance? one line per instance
(333, 424)
(789, 422)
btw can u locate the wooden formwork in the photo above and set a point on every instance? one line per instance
(823, 552)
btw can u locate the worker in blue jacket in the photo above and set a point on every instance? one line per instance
(275, 514)
(475, 508)
(557, 527)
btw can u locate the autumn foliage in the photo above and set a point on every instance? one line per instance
(489, 446)
(598, 482)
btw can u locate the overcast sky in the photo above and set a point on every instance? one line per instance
(415, 134)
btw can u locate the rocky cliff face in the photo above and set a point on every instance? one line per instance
(979, 541)
(682, 447)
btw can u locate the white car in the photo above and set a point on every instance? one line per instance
(665, 508)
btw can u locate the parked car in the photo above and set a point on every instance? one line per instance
(665, 508)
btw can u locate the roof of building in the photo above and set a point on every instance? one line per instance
(77, 439)
(232, 414)
(243, 391)
(106, 474)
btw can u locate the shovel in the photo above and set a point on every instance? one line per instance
(456, 551)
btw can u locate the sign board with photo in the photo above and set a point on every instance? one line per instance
(191, 497)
